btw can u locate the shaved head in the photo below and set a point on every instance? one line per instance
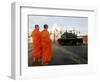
(37, 26)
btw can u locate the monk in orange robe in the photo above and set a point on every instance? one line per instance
(36, 43)
(46, 46)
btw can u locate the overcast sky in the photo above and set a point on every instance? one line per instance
(76, 23)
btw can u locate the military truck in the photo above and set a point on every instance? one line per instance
(70, 39)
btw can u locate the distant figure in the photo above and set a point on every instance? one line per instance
(36, 43)
(46, 46)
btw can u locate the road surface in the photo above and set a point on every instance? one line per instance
(64, 55)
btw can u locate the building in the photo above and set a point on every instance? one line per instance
(85, 39)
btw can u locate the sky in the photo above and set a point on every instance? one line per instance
(64, 23)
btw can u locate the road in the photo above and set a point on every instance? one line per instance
(64, 55)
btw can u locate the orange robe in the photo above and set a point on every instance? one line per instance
(36, 43)
(46, 46)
